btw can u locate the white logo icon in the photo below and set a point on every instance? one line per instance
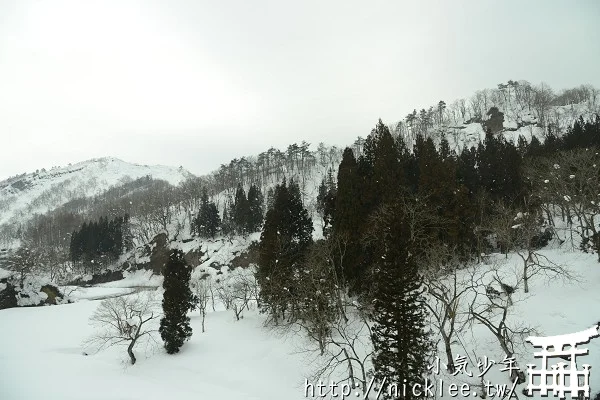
(564, 377)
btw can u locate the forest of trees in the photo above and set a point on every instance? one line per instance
(392, 211)
(99, 243)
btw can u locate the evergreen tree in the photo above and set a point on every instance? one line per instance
(347, 202)
(380, 168)
(438, 184)
(241, 211)
(98, 242)
(467, 174)
(377, 177)
(499, 165)
(255, 209)
(326, 202)
(227, 224)
(178, 299)
(208, 220)
(400, 339)
(213, 221)
(285, 239)
(534, 148)
(301, 224)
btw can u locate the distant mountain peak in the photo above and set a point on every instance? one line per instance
(25, 195)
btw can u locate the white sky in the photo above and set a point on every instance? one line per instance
(197, 83)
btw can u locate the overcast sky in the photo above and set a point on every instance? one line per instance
(197, 83)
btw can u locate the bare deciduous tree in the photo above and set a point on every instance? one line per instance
(243, 289)
(525, 233)
(528, 234)
(200, 285)
(125, 320)
(492, 309)
(25, 261)
(445, 289)
(347, 351)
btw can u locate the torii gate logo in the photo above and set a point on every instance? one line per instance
(563, 377)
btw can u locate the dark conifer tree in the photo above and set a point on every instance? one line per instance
(347, 204)
(208, 220)
(447, 198)
(499, 165)
(227, 224)
(381, 177)
(178, 299)
(255, 209)
(213, 221)
(534, 148)
(285, 239)
(98, 242)
(467, 174)
(388, 176)
(401, 341)
(349, 217)
(326, 202)
(301, 224)
(241, 211)
(380, 168)
(127, 234)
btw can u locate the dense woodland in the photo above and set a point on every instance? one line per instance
(396, 214)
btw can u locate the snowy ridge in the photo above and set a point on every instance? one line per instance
(43, 191)
(462, 121)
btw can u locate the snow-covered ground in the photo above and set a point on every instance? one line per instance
(140, 278)
(42, 357)
(93, 293)
(41, 349)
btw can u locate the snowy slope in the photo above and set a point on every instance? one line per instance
(520, 119)
(40, 192)
(41, 349)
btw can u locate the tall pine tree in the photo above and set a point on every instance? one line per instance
(255, 209)
(326, 202)
(400, 338)
(284, 242)
(241, 211)
(208, 220)
(178, 299)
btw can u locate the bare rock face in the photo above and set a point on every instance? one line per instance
(158, 252)
(495, 122)
(194, 257)
(100, 277)
(247, 257)
(11, 291)
(8, 294)
(159, 255)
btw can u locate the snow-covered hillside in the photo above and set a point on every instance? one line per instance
(517, 122)
(43, 191)
(43, 355)
(528, 111)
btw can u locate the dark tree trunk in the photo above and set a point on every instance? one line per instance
(130, 352)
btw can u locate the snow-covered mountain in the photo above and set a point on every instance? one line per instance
(462, 121)
(263, 363)
(43, 191)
